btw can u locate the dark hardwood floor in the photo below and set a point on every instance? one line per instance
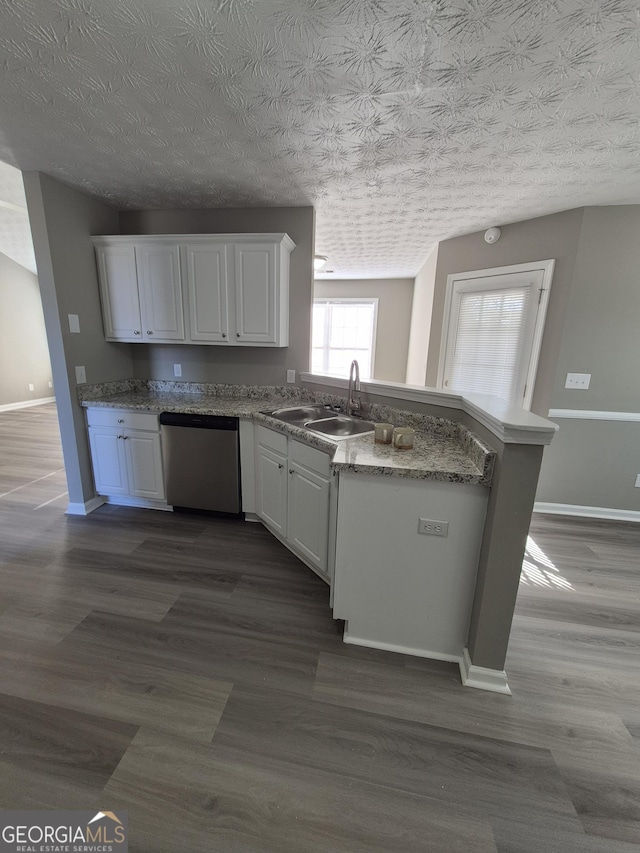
(187, 669)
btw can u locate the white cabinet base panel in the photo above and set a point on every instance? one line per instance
(399, 589)
(127, 500)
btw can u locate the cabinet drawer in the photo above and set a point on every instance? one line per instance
(272, 439)
(122, 418)
(310, 458)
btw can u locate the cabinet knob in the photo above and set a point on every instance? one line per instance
(224, 334)
(120, 420)
(120, 436)
(291, 470)
(149, 333)
(136, 331)
(125, 437)
(279, 465)
(237, 334)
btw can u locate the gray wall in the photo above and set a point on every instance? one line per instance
(24, 354)
(62, 221)
(395, 296)
(595, 463)
(237, 365)
(554, 236)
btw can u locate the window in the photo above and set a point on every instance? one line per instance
(343, 329)
(493, 329)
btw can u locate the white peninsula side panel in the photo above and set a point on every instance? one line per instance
(398, 589)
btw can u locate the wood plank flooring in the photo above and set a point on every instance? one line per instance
(187, 669)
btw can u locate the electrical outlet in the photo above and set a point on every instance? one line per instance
(638, 481)
(74, 324)
(433, 528)
(291, 376)
(81, 375)
(177, 370)
(31, 386)
(578, 380)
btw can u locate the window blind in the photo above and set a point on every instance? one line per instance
(490, 333)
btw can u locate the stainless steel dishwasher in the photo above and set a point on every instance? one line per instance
(201, 457)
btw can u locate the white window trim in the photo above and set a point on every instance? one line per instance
(547, 277)
(358, 300)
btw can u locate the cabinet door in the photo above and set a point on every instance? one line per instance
(144, 464)
(119, 292)
(160, 292)
(256, 295)
(271, 488)
(308, 516)
(109, 461)
(206, 281)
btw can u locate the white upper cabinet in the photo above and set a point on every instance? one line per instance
(160, 291)
(206, 274)
(232, 289)
(119, 292)
(256, 293)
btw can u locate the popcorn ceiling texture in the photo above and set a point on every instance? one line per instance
(403, 122)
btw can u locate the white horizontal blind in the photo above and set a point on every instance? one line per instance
(343, 330)
(491, 332)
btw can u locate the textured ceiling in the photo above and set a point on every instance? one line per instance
(402, 121)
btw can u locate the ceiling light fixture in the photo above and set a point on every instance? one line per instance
(492, 235)
(319, 261)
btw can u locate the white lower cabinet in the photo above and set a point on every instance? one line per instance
(127, 460)
(293, 495)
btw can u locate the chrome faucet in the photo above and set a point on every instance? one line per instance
(353, 399)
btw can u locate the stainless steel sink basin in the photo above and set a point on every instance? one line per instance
(340, 426)
(299, 415)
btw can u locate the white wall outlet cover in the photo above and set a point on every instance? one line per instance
(291, 376)
(74, 324)
(433, 528)
(81, 375)
(578, 380)
(177, 370)
(31, 386)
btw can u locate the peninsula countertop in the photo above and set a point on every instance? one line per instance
(443, 450)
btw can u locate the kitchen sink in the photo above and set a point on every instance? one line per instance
(299, 415)
(322, 419)
(340, 426)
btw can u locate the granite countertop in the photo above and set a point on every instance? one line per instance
(443, 450)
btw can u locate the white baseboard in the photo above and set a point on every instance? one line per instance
(392, 647)
(26, 404)
(251, 516)
(607, 513)
(494, 680)
(84, 508)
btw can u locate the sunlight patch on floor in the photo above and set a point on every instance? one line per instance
(539, 570)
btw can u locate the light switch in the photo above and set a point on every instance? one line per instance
(74, 324)
(177, 370)
(81, 375)
(578, 380)
(291, 376)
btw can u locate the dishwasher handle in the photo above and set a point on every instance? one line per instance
(180, 419)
